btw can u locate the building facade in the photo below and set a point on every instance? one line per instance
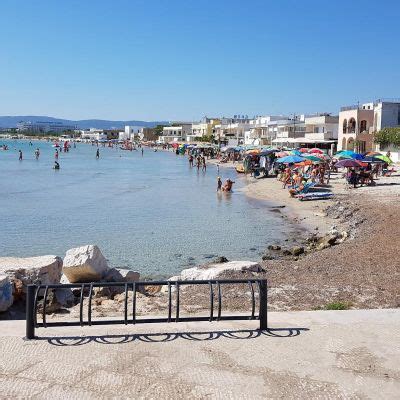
(44, 127)
(178, 133)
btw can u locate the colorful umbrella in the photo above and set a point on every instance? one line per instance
(282, 154)
(349, 154)
(290, 159)
(385, 159)
(295, 152)
(349, 163)
(311, 157)
(315, 150)
(303, 150)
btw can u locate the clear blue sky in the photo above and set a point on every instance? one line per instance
(127, 59)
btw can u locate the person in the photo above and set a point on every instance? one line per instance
(204, 167)
(20, 155)
(97, 153)
(56, 165)
(142, 150)
(37, 153)
(198, 162)
(190, 160)
(219, 184)
(56, 155)
(228, 186)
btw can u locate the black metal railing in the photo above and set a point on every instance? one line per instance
(34, 291)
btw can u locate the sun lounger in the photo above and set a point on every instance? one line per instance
(314, 196)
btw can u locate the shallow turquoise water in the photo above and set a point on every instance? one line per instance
(152, 213)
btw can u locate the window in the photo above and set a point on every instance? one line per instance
(363, 125)
(352, 125)
(345, 126)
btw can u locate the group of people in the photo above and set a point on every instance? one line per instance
(200, 162)
(227, 187)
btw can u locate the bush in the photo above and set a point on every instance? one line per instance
(338, 306)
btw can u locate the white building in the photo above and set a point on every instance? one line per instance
(44, 126)
(206, 127)
(232, 130)
(93, 134)
(178, 133)
(263, 129)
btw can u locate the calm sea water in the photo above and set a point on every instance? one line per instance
(152, 214)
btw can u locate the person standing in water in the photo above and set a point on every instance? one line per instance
(37, 153)
(142, 150)
(204, 166)
(20, 155)
(219, 184)
(56, 155)
(97, 154)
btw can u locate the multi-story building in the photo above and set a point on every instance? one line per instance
(44, 126)
(357, 123)
(176, 133)
(206, 127)
(231, 131)
(263, 129)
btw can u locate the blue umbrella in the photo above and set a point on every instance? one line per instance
(349, 154)
(290, 159)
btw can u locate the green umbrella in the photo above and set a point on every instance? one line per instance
(386, 159)
(312, 158)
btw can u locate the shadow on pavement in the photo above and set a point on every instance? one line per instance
(168, 337)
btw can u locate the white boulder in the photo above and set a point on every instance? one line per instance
(85, 264)
(128, 275)
(44, 270)
(6, 297)
(213, 271)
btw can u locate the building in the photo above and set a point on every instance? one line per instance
(93, 134)
(206, 127)
(263, 129)
(357, 123)
(231, 131)
(177, 133)
(44, 127)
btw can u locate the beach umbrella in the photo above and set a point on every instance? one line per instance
(295, 152)
(303, 150)
(290, 159)
(311, 157)
(303, 163)
(316, 150)
(372, 159)
(282, 154)
(253, 151)
(349, 163)
(372, 153)
(385, 159)
(349, 154)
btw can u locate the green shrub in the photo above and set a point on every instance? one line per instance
(338, 305)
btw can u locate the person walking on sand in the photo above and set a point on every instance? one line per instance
(20, 155)
(97, 154)
(219, 184)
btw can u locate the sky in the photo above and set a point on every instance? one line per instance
(181, 60)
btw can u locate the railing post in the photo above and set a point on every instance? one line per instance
(263, 305)
(30, 312)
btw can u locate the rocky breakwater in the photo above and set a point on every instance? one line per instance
(16, 273)
(81, 265)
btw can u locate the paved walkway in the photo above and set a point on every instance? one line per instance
(318, 354)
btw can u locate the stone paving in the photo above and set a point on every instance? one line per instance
(316, 354)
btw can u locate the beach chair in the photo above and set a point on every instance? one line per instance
(306, 188)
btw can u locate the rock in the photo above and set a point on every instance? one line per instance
(286, 252)
(213, 271)
(85, 264)
(128, 275)
(44, 270)
(65, 297)
(266, 257)
(327, 241)
(274, 247)
(6, 289)
(297, 250)
(220, 260)
(112, 275)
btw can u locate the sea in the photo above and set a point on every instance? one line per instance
(152, 213)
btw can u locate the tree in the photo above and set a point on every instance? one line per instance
(388, 136)
(158, 130)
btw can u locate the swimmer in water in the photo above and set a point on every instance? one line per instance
(228, 186)
(56, 165)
